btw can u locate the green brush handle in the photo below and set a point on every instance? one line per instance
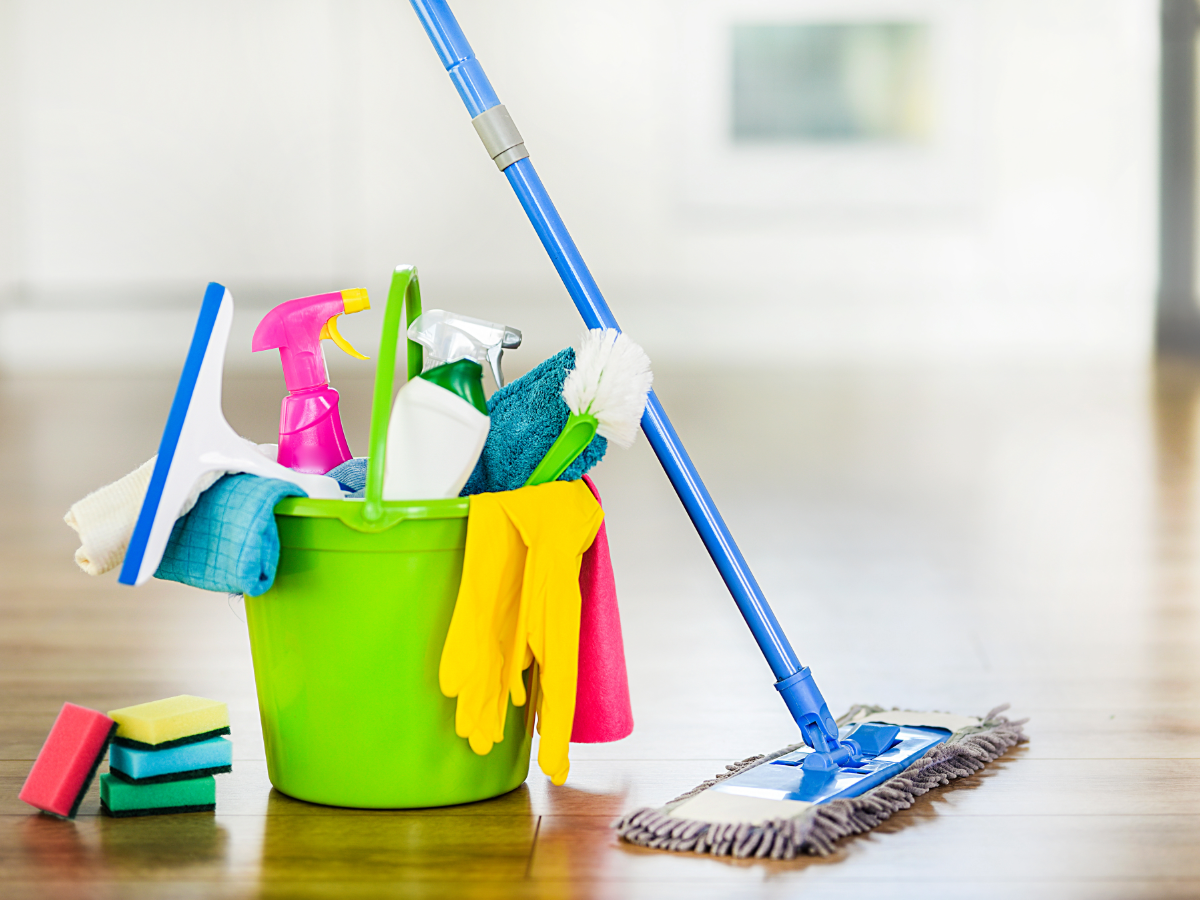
(404, 296)
(571, 441)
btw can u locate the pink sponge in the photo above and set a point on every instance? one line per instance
(67, 763)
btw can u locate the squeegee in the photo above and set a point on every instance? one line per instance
(197, 441)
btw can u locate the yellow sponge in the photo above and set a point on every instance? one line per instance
(170, 722)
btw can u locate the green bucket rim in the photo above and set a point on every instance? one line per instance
(352, 513)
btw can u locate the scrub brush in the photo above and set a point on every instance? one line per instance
(606, 393)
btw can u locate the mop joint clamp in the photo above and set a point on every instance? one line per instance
(820, 731)
(500, 136)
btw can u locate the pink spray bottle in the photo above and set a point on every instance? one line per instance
(310, 429)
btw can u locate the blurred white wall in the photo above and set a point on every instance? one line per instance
(295, 146)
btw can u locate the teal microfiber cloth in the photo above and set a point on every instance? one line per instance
(229, 541)
(527, 416)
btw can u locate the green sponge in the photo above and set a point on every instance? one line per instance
(119, 798)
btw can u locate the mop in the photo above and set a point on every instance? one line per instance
(846, 776)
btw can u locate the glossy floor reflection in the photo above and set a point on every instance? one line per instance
(936, 539)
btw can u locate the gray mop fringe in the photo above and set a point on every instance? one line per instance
(816, 831)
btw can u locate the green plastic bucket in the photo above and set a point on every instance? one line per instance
(347, 642)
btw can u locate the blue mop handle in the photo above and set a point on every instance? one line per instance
(794, 682)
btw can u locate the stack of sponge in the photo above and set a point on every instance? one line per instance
(164, 755)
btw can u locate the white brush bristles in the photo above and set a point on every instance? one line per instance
(610, 381)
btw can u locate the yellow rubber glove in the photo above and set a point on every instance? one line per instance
(472, 667)
(519, 600)
(558, 522)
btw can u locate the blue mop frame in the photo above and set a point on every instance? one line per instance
(793, 681)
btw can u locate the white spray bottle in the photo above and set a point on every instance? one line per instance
(439, 420)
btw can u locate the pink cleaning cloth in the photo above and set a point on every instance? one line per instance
(602, 710)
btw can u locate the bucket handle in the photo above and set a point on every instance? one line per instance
(404, 296)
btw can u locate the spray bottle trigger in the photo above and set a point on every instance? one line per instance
(494, 354)
(355, 300)
(329, 332)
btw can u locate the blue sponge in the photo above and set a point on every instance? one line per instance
(527, 416)
(173, 764)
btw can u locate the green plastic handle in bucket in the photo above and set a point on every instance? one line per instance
(403, 299)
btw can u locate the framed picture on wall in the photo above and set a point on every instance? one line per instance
(829, 105)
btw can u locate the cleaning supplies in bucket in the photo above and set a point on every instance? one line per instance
(346, 644)
(439, 420)
(230, 541)
(311, 438)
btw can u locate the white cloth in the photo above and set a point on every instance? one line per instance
(105, 518)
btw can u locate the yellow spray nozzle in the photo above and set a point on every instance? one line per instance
(329, 331)
(355, 300)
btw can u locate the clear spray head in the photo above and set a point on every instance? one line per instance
(449, 337)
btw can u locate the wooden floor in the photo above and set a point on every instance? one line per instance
(939, 540)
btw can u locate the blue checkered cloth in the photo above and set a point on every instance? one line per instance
(229, 541)
(527, 416)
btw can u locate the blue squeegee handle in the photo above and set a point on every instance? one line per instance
(793, 681)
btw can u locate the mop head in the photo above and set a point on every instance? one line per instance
(719, 819)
